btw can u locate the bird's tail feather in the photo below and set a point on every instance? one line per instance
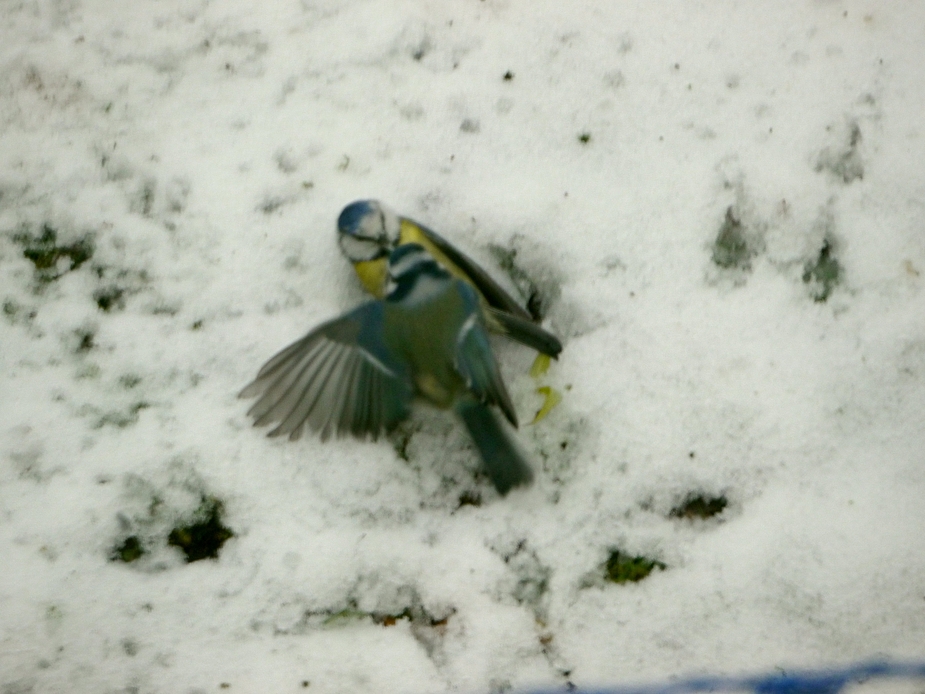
(503, 462)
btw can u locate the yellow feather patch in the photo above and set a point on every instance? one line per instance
(552, 397)
(374, 275)
(540, 365)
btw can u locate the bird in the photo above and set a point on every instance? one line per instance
(368, 231)
(359, 373)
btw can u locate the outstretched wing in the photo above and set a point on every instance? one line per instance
(476, 363)
(339, 379)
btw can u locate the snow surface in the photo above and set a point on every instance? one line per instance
(204, 149)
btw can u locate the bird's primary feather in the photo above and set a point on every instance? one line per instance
(339, 379)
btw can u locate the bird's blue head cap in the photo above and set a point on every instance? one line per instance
(367, 230)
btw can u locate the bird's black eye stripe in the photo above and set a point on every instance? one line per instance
(359, 248)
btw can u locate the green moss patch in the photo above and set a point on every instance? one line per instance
(823, 274)
(700, 506)
(621, 567)
(204, 536)
(470, 498)
(129, 550)
(175, 510)
(47, 254)
(109, 298)
(117, 285)
(733, 249)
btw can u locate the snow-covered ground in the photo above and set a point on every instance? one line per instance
(721, 209)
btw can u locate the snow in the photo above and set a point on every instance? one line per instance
(204, 151)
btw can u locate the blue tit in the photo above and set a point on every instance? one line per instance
(368, 231)
(358, 374)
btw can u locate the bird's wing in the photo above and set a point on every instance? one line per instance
(526, 332)
(339, 379)
(476, 363)
(494, 294)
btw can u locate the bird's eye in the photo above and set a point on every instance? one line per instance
(360, 248)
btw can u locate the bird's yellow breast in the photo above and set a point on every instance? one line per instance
(374, 275)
